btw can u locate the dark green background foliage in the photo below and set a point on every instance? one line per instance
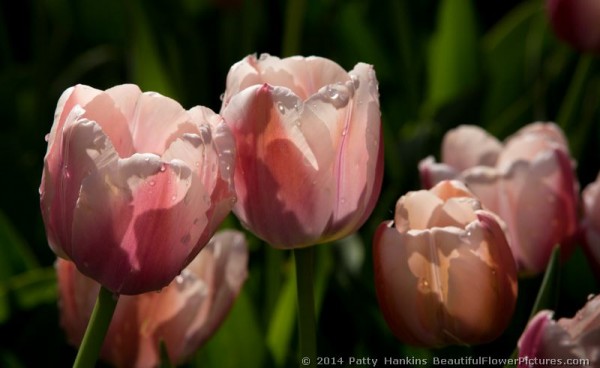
(439, 64)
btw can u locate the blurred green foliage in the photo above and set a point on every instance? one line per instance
(439, 64)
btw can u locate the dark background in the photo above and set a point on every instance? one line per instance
(491, 63)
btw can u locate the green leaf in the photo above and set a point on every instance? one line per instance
(16, 256)
(165, 361)
(548, 293)
(241, 332)
(454, 54)
(508, 70)
(34, 287)
(147, 68)
(283, 322)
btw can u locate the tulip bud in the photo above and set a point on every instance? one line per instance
(529, 181)
(576, 22)
(574, 341)
(134, 185)
(183, 315)
(309, 149)
(444, 273)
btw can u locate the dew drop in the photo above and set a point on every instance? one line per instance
(590, 297)
(173, 198)
(47, 137)
(222, 96)
(332, 93)
(179, 279)
(163, 168)
(152, 183)
(355, 81)
(281, 108)
(263, 57)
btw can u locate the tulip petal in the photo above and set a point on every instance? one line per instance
(358, 168)
(302, 75)
(115, 200)
(431, 172)
(291, 190)
(155, 121)
(531, 339)
(530, 195)
(469, 145)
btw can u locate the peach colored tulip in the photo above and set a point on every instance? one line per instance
(309, 148)
(528, 181)
(570, 341)
(444, 273)
(183, 315)
(576, 22)
(134, 185)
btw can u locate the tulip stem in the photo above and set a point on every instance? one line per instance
(304, 259)
(96, 329)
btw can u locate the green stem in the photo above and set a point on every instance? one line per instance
(96, 329)
(294, 14)
(304, 259)
(567, 108)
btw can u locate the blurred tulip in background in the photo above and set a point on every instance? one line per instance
(528, 180)
(182, 316)
(568, 338)
(576, 22)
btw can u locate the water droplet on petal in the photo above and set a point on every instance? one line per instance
(281, 108)
(163, 168)
(152, 183)
(355, 81)
(173, 197)
(47, 137)
(263, 57)
(590, 297)
(222, 96)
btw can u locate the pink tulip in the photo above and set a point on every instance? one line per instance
(570, 341)
(134, 185)
(591, 223)
(183, 315)
(528, 181)
(444, 273)
(309, 149)
(576, 22)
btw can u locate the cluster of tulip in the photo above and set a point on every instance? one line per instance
(134, 186)
(447, 265)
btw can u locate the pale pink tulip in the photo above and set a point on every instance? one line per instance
(134, 185)
(444, 273)
(183, 315)
(576, 22)
(309, 147)
(529, 181)
(570, 341)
